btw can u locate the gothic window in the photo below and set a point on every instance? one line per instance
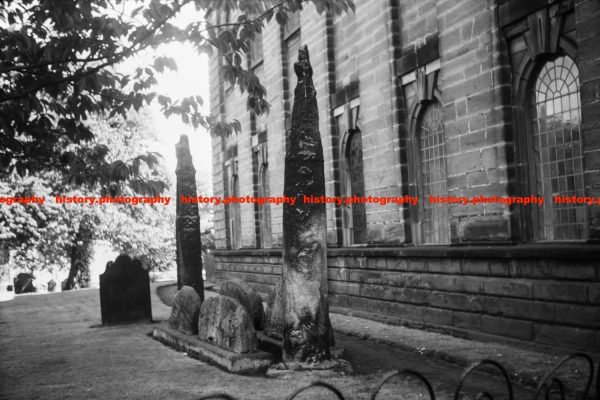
(256, 50)
(290, 35)
(354, 215)
(235, 214)
(264, 210)
(356, 186)
(432, 223)
(558, 149)
(292, 25)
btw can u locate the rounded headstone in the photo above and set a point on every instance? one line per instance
(125, 291)
(185, 311)
(224, 322)
(248, 297)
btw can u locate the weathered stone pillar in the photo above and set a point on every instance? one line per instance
(187, 222)
(306, 332)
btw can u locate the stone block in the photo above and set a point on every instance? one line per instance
(224, 322)
(185, 311)
(248, 297)
(125, 291)
(248, 363)
(566, 336)
(508, 287)
(518, 329)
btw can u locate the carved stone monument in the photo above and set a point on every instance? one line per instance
(225, 322)
(187, 222)
(185, 311)
(248, 297)
(306, 330)
(125, 291)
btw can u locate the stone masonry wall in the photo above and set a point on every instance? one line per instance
(493, 283)
(475, 94)
(551, 300)
(587, 14)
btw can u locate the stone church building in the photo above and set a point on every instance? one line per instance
(459, 98)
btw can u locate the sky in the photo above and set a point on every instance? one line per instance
(191, 78)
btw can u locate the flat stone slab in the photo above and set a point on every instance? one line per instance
(248, 363)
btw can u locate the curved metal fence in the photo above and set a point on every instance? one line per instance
(550, 387)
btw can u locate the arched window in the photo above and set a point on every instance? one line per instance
(235, 217)
(432, 225)
(264, 210)
(558, 150)
(355, 186)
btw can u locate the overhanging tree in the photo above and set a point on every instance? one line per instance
(57, 236)
(57, 68)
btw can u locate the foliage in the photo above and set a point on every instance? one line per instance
(58, 63)
(58, 236)
(38, 235)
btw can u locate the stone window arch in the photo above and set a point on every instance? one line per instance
(353, 178)
(556, 146)
(235, 215)
(264, 211)
(549, 149)
(430, 222)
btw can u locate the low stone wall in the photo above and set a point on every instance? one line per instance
(544, 294)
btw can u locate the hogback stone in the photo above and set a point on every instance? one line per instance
(224, 322)
(306, 331)
(185, 311)
(248, 297)
(187, 222)
(125, 291)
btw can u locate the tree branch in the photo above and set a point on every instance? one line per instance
(119, 57)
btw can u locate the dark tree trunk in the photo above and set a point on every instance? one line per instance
(81, 257)
(307, 330)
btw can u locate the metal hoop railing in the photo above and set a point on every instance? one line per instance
(549, 380)
(485, 395)
(549, 386)
(318, 384)
(405, 372)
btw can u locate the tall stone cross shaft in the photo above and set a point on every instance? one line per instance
(306, 332)
(187, 222)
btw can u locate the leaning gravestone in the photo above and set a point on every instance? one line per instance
(51, 285)
(248, 297)
(125, 291)
(224, 322)
(185, 311)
